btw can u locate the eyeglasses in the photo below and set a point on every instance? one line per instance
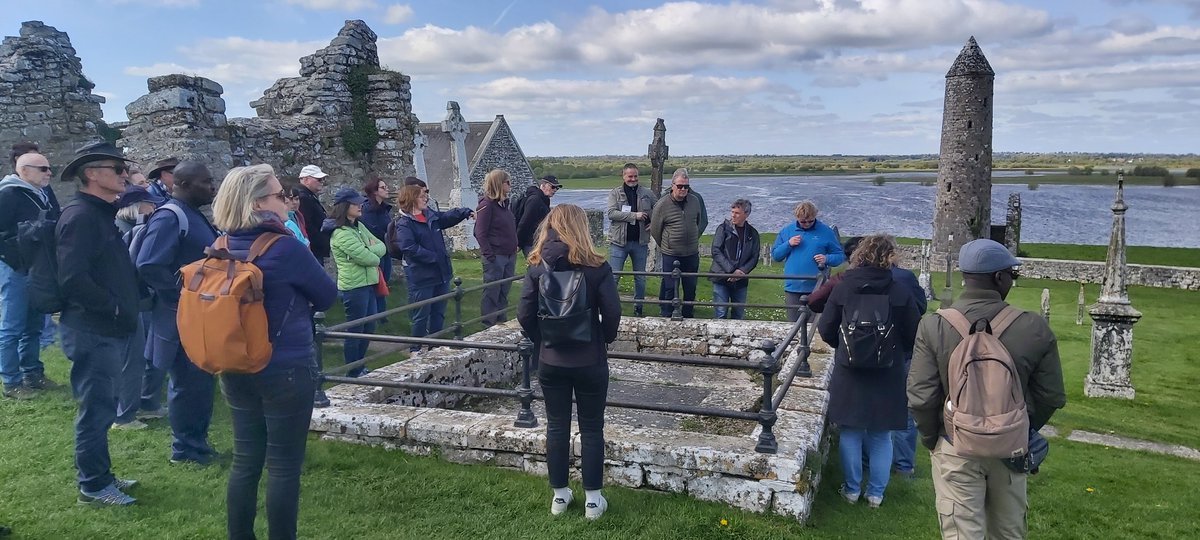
(282, 196)
(42, 168)
(116, 169)
(807, 221)
(684, 187)
(1016, 274)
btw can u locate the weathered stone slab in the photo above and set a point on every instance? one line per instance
(748, 494)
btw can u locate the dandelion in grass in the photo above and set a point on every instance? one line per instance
(1091, 490)
(724, 522)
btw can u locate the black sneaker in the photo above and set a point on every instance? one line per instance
(23, 391)
(320, 400)
(41, 382)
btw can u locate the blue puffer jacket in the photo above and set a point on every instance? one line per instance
(818, 239)
(423, 247)
(294, 284)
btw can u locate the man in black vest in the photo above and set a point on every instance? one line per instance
(312, 182)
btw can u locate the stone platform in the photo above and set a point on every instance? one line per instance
(710, 459)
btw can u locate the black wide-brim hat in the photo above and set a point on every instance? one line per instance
(96, 151)
(161, 166)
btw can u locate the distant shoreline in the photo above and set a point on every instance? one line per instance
(1040, 177)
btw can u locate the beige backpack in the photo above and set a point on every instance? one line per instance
(985, 414)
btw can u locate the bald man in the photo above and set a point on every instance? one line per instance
(22, 198)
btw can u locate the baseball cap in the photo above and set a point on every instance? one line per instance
(137, 194)
(313, 171)
(348, 194)
(985, 256)
(552, 180)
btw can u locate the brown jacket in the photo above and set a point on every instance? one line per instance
(1029, 340)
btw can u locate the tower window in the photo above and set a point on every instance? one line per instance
(968, 124)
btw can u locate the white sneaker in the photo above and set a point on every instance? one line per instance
(595, 510)
(874, 502)
(131, 426)
(559, 505)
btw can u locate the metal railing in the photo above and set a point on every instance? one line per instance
(768, 366)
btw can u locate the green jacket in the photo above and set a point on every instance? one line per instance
(1028, 339)
(357, 253)
(677, 229)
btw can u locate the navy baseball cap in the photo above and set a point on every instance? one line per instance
(985, 256)
(137, 194)
(348, 194)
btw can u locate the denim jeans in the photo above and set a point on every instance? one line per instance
(385, 266)
(129, 382)
(49, 331)
(95, 365)
(189, 408)
(270, 412)
(725, 292)
(430, 318)
(590, 387)
(878, 446)
(495, 298)
(359, 303)
(20, 330)
(638, 252)
(666, 291)
(904, 441)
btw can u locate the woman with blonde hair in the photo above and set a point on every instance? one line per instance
(578, 368)
(871, 321)
(496, 232)
(271, 409)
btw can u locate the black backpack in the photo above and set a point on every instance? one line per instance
(867, 331)
(564, 317)
(37, 245)
(389, 238)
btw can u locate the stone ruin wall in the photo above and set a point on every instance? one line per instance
(45, 98)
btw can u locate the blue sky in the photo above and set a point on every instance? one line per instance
(749, 77)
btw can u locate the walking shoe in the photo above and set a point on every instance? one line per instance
(20, 392)
(845, 493)
(560, 504)
(320, 400)
(132, 425)
(124, 484)
(594, 510)
(203, 460)
(907, 474)
(109, 496)
(41, 382)
(874, 502)
(151, 414)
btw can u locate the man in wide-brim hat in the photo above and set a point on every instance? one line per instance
(162, 177)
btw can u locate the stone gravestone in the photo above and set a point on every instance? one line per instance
(1046, 304)
(1079, 313)
(1012, 224)
(1112, 331)
(925, 278)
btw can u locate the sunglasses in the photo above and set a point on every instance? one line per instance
(684, 187)
(117, 169)
(556, 188)
(42, 168)
(1016, 274)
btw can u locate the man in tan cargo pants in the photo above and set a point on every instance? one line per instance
(981, 497)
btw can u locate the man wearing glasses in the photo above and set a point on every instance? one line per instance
(807, 245)
(312, 181)
(675, 225)
(22, 198)
(532, 209)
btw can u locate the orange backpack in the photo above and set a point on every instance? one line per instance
(985, 414)
(222, 321)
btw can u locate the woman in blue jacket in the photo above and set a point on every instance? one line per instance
(807, 245)
(377, 216)
(419, 238)
(271, 409)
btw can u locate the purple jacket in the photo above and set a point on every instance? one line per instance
(294, 284)
(495, 228)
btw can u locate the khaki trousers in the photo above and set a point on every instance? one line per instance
(977, 498)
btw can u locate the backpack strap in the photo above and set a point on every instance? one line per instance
(260, 245)
(957, 320)
(1002, 320)
(179, 216)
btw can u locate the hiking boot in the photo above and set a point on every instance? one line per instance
(132, 425)
(845, 493)
(594, 510)
(109, 496)
(20, 392)
(320, 400)
(559, 505)
(152, 414)
(41, 382)
(874, 502)
(124, 484)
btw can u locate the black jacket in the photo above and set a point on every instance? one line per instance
(602, 295)
(95, 273)
(18, 203)
(872, 399)
(534, 208)
(314, 215)
(730, 252)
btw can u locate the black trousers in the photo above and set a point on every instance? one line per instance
(666, 291)
(590, 388)
(271, 411)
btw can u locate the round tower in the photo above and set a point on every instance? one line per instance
(963, 208)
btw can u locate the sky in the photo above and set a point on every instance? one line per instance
(750, 77)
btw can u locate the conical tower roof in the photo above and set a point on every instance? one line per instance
(970, 62)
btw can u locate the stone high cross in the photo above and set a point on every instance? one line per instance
(1113, 316)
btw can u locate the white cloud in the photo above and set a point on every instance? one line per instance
(157, 3)
(398, 13)
(340, 5)
(236, 60)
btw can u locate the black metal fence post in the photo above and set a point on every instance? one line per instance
(768, 367)
(676, 302)
(804, 369)
(458, 296)
(525, 417)
(320, 400)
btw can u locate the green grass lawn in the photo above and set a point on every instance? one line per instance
(352, 491)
